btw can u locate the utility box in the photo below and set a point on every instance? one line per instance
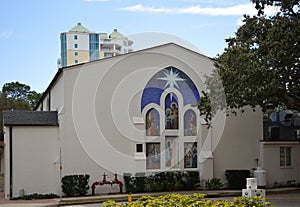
(251, 189)
(254, 192)
(251, 183)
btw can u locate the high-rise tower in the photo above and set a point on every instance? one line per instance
(81, 45)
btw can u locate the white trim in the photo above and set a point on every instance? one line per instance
(285, 143)
(138, 120)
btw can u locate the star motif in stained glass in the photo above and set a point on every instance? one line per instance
(172, 78)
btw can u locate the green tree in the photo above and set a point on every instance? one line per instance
(18, 96)
(260, 65)
(19, 92)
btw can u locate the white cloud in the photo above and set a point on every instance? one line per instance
(236, 10)
(226, 11)
(216, 2)
(141, 8)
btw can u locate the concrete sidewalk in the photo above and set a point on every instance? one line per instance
(123, 197)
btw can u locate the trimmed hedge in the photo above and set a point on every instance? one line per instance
(165, 181)
(237, 178)
(73, 185)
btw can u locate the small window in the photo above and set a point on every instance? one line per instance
(76, 53)
(76, 61)
(75, 37)
(274, 132)
(285, 157)
(76, 45)
(139, 147)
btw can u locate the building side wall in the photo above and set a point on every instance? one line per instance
(57, 95)
(238, 146)
(35, 160)
(276, 173)
(45, 103)
(76, 159)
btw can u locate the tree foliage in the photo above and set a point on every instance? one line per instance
(260, 65)
(287, 7)
(17, 95)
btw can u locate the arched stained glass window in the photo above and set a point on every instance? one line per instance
(190, 123)
(171, 111)
(152, 122)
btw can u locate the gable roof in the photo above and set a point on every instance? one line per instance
(60, 70)
(116, 34)
(30, 118)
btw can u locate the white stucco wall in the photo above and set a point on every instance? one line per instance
(35, 151)
(238, 147)
(57, 95)
(271, 162)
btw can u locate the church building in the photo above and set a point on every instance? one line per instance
(128, 114)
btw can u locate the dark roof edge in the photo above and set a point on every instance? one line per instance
(30, 118)
(31, 124)
(58, 73)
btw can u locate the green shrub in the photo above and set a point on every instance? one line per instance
(139, 182)
(195, 200)
(128, 182)
(237, 178)
(73, 185)
(69, 185)
(165, 181)
(280, 184)
(250, 201)
(191, 179)
(213, 184)
(178, 186)
(36, 196)
(82, 184)
(156, 182)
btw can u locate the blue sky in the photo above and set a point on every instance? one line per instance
(30, 29)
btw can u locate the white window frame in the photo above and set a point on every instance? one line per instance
(285, 156)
